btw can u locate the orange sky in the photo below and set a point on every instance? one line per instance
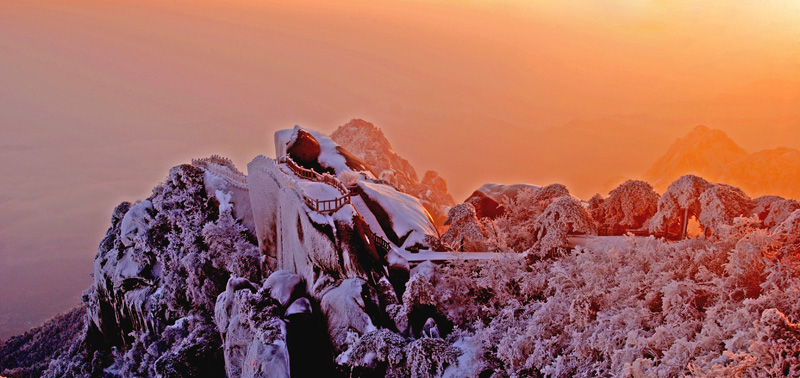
(99, 98)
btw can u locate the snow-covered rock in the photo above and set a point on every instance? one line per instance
(136, 222)
(182, 284)
(402, 218)
(349, 307)
(285, 287)
(499, 192)
(253, 335)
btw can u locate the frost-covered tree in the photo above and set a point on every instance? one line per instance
(229, 248)
(720, 204)
(596, 208)
(680, 202)
(628, 206)
(380, 353)
(773, 210)
(564, 216)
(428, 357)
(466, 233)
(517, 224)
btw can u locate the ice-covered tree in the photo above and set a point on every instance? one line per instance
(521, 212)
(563, 216)
(466, 233)
(680, 202)
(628, 206)
(596, 208)
(773, 210)
(720, 204)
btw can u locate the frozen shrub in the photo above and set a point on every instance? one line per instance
(514, 228)
(773, 210)
(230, 250)
(774, 352)
(348, 178)
(428, 358)
(381, 352)
(596, 208)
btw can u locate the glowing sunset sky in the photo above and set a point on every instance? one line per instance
(98, 99)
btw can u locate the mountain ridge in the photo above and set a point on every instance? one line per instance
(712, 154)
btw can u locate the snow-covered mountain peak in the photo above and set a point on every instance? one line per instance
(368, 142)
(703, 152)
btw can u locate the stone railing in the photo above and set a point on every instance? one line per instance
(224, 168)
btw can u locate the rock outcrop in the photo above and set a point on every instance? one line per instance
(221, 273)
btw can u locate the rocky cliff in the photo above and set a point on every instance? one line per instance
(269, 274)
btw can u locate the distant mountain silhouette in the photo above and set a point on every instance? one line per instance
(712, 154)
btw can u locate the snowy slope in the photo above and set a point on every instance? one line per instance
(401, 216)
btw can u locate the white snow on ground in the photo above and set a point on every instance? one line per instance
(596, 243)
(328, 155)
(586, 241)
(425, 255)
(406, 212)
(318, 190)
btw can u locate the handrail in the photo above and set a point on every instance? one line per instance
(380, 242)
(224, 168)
(320, 206)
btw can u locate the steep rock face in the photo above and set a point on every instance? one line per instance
(322, 248)
(368, 142)
(179, 285)
(402, 218)
(157, 274)
(272, 330)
